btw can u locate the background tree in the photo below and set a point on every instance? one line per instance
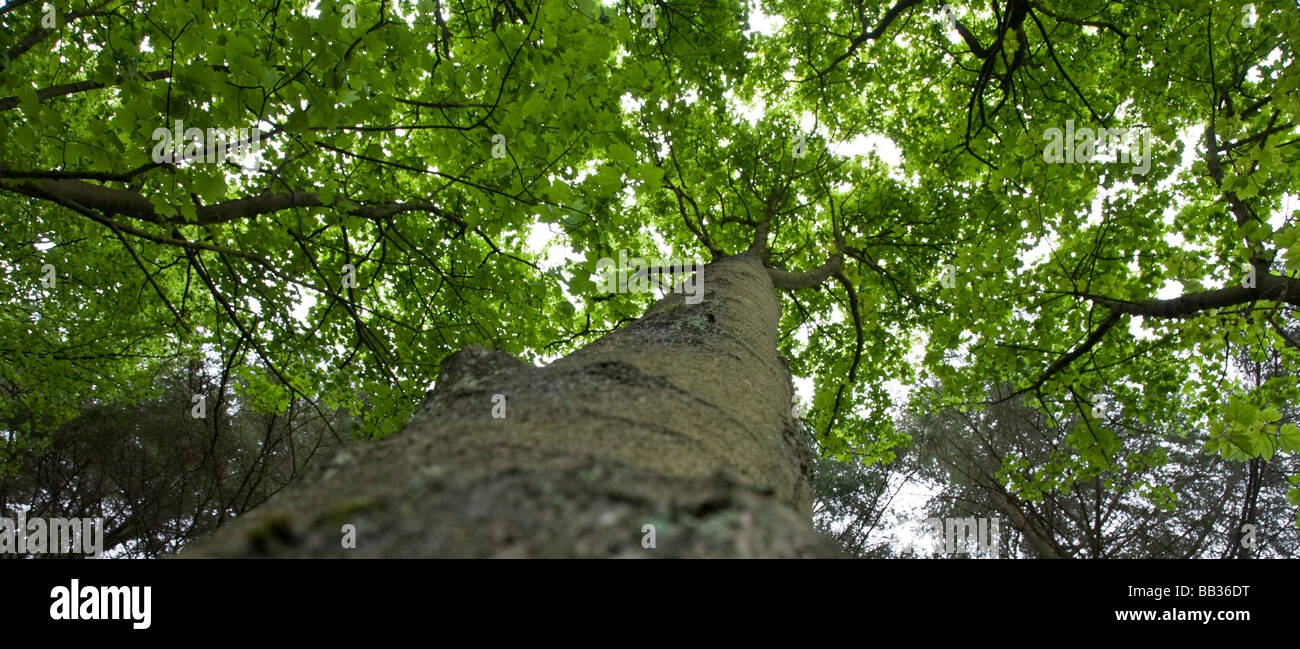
(856, 505)
(157, 475)
(1161, 497)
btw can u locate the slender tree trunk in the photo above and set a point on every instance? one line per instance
(680, 420)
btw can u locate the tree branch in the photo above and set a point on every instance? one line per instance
(1276, 288)
(865, 36)
(130, 203)
(1064, 361)
(788, 281)
(62, 90)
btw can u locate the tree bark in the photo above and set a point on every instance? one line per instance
(680, 420)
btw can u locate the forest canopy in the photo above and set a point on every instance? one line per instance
(1080, 216)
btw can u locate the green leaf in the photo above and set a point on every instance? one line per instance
(651, 176)
(1289, 438)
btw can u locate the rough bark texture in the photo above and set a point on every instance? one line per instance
(680, 420)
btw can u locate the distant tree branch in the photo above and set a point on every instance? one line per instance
(867, 35)
(1071, 356)
(1077, 22)
(39, 33)
(63, 90)
(84, 175)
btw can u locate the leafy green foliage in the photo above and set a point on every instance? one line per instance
(407, 157)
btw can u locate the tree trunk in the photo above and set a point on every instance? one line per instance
(680, 420)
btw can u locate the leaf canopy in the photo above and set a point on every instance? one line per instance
(1056, 199)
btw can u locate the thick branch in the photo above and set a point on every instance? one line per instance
(130, 203)
(788, 281)
(1275, 288)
